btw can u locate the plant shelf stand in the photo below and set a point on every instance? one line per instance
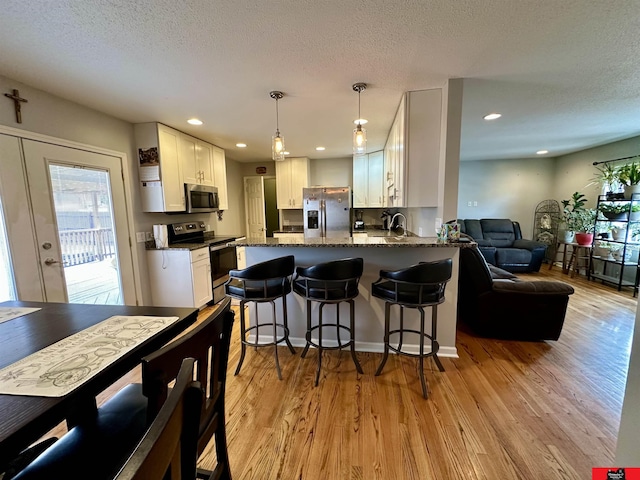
(624, 269)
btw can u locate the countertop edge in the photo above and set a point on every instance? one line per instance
(372, 242)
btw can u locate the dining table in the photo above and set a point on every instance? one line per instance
(26, 418)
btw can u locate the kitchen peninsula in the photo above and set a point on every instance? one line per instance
(379, 252)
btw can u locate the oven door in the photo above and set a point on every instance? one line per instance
(223, 259)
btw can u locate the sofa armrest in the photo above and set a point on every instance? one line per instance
(541, 287)
(528, 244)
(489, 254)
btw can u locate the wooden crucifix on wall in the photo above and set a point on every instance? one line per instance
(15, 96)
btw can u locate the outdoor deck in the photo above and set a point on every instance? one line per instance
(94, 282)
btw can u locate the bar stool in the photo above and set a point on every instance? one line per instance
(331, 282)
(261, 283)
(418, 286)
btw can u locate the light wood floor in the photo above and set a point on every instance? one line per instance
(502, 410)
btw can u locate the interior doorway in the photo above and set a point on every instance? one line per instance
(271, 205)
(260, 204)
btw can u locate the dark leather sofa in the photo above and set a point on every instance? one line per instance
(495, 303)
(501, 243)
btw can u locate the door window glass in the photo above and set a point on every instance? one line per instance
(84, 215)
(7, 284)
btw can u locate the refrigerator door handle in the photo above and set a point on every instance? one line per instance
(323, 218)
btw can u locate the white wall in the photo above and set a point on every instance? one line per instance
(505, 189)
(627, 451)
(233, 219)
(331, 172)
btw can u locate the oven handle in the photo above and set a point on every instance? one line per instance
(214, 248)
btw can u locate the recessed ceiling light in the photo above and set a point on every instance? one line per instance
(542, 152)
(492, 116)
(360, 121)
(320, 149)
(241, 145)
(286, 153)
(194, 121)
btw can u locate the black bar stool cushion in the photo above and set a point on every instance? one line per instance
(418, 284)
(335, 280)
(407, 293)
(263, 280)
(275, 287)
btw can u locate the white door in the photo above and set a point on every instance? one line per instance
(255, 208)
(66, 184)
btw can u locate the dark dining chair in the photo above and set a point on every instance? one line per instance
(168, 451)
(97, 449)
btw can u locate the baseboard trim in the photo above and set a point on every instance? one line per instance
(370, 347)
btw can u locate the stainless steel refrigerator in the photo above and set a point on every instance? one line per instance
(327, 212)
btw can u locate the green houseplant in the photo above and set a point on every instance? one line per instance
(607, 177)
(629, 176)
(615, 211)
(579, 219)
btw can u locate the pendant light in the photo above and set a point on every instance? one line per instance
(359, 133)
(277, 142)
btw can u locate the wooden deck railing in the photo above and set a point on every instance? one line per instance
(86, 245)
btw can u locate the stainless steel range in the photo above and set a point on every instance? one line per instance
(222, 258)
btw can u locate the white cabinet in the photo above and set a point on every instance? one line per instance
(241, 258)
(181, 159)
(414, 172)
(368, 180)
(292, 175)
(180, 278)
(162, 188)
(394, 160)
(196, 160)
(220, 175)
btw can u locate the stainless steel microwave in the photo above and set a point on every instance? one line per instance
(201, 198)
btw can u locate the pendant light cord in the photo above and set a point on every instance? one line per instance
(277, 119)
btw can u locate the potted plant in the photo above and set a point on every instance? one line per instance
(629, 176)
(584, 222)
(571, 208)
(607, 176)
(615, 211)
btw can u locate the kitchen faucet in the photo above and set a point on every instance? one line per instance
(404, 224)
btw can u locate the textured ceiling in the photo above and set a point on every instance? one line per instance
(564, 74)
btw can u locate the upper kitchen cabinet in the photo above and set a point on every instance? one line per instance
(169, 159)
(368, 180)
(197, 161)
(162, 188)
(220, 176)
(412, 152)
(292, 175)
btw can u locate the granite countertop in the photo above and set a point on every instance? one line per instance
(375, 242)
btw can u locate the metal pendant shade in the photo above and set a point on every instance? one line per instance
(359, 133)
(277, 141)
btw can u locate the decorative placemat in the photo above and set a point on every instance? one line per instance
(9, 313)
(60, 368)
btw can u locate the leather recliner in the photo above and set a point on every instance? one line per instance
(501, 243)
(495, 303)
